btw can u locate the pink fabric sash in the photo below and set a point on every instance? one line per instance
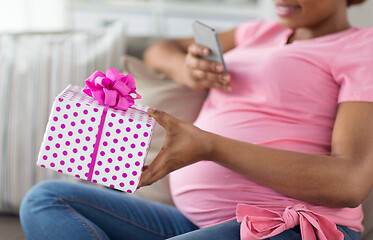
(260, 223)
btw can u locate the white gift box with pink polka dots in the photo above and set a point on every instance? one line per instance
(95, 142)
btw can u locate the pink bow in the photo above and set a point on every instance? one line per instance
(112, 89)
(259, 223)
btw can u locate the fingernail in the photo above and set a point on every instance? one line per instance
(226, 78)
(205, 52)
(218, 68)
(151, 110)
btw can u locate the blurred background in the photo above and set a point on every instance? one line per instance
(143, 17)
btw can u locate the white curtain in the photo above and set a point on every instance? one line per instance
(33, 15)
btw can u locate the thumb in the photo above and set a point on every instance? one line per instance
(155, 171)
(164, 119)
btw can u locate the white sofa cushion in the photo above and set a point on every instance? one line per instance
(34, 68)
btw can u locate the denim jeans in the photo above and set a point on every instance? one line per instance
(65, 210)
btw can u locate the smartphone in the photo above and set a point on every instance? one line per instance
(208, 37)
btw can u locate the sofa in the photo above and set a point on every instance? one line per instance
(158, 92)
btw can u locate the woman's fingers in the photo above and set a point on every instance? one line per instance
(210, 76)
(185, 144)
(155, 171)
(222, 86)
(201, 73)
(164, 119)
(209, 79)
(193, 61)
(197, 50)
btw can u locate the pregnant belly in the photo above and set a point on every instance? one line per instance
(207, 193)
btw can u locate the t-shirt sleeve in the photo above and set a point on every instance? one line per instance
(352, 68)
(246, 30)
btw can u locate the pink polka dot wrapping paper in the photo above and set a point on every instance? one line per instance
(77, 122)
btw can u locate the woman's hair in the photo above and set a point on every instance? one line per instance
(351, 2)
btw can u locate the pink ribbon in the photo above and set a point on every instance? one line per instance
(259, 223)
(97, 144)
(112, 89)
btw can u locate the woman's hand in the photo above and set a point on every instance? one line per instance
(179, 60)
(201, 74)
(185, 144)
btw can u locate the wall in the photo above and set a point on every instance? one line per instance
(33, 15)
(362, 15)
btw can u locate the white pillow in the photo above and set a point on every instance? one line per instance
(166, 95)
(34, 68)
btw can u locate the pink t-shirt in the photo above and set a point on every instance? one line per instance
(284, 96)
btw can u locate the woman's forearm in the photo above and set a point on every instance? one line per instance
(342, 179)
(166, 57)
(319, 179)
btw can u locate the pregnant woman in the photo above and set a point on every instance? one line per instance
(281, 150)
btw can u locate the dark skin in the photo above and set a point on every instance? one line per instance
(330, 18)
(341, 179)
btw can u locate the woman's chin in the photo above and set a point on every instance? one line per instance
(289, 23)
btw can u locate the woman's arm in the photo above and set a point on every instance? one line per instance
(342, 179)
(179, 60)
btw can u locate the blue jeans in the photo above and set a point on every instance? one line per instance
(64, 210)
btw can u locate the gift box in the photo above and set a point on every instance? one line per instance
(95, 142)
